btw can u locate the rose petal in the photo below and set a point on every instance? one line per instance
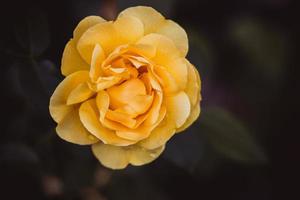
(144, 130)
(85, 24)
(147, 51)
(168, 82)
(98, 57)
(178, 108)
(104, 83)
(58, 102)
(139, 156)
(120, 117)
(72, 130)
(129, 28)
(193, 85)
(81, 93)
(102, 102)
(179, 70)
(191, 119)
(118, 158)
(103, 34)
(71, 60)
(149, 17)
(109, 35)
(160, 135)
(153, 113)
(123, 94)
(90, 119)
(173, 31)
(166, 51)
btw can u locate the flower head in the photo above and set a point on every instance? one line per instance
(128, 87)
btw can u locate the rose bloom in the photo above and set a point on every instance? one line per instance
(128, 87)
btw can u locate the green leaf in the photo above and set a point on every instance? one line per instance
(229, 137)
(264, 47)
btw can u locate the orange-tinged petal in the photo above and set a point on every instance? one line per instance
(85, 24)
(142, 131)
(71, 60)
(58, 102)
(120, 117)
(178, 108)
(146, 79)
(119, 157)
(153, 113)
(72, 130)
(149, 17)
(89, 117)
(134, 134)
(177, 34)
(140, 104)
(122, 94)
(104, 83)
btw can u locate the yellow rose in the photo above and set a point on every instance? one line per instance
(128, 87)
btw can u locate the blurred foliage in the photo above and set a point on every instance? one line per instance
(264, 48)
(230, 137)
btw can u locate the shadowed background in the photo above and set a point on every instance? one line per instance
(243, 146)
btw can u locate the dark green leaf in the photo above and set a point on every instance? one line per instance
(263, 46)
(229, 137)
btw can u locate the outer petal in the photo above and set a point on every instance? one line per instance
(71, 60)
(193, 85)
(150, 17)
(178, 108)
(191, 119)
(119, 157)
(103, 34)
(58, 102)
(72, 130)
(193, 91)
(173, 31)
(85, 24)
(90, 120)
(139, 156)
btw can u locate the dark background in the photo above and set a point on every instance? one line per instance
(243, 146)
